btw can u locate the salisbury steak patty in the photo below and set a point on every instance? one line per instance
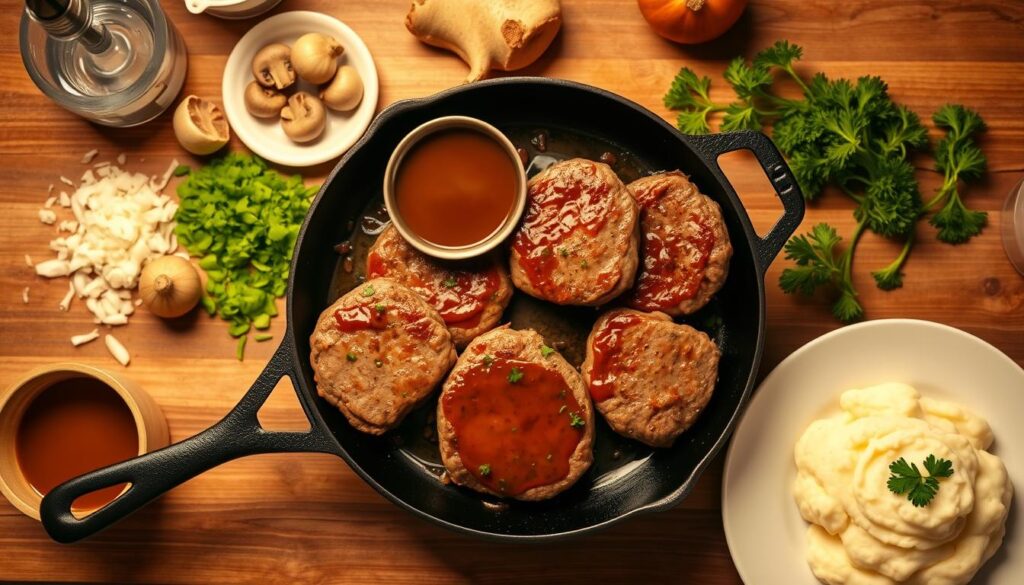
(469, 296)
(685, 247)
(577, 244)
(514, 418)
(648, 376)
(377, 353)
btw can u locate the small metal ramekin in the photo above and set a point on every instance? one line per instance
(453, 252)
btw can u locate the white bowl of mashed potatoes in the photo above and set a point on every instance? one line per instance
(806, 493)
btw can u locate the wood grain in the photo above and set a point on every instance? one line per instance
(308, 518)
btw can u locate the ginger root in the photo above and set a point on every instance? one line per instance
(487, 34)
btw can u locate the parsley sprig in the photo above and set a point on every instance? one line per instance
(906, 479)
(853, 136)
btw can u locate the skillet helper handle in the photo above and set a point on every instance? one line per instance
(236, 435)
(711, 146)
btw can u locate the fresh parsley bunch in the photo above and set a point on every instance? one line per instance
(850, 135)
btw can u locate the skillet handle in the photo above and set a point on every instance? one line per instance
(236, 435)
(711, 146)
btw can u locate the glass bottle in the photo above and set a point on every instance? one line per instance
(115, 62)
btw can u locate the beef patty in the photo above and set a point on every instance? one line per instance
(378, 352)
(470, 296)
(648, 376)
(685, 247)
(514, 418)
(577, 243)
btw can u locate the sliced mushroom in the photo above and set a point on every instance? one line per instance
(200, 126)
(264, 102)
(272, 66)
(304, 118)
(345, 91)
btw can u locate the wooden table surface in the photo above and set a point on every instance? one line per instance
(308, 518)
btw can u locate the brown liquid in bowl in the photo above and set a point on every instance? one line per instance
(73, 427)
(455, 187)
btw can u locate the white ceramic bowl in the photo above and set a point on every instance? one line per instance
(265, 136)
(762, 524)
(231, 9)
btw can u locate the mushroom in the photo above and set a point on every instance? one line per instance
(304, 118)
(263, 102)
(199, 126)
(345, 91)
(272, 66)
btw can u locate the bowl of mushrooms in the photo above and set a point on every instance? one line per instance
(300, 88)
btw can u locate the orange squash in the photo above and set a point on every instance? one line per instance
(691, 21)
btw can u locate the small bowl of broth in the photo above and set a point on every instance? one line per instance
(64, 420)
(455, 187)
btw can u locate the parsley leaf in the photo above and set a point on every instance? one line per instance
(906, 478)
(488, 359)
(820, 264)
(368, 291)
(351, 356)
(485, 470)
(545, 350)
(449, 282)
(958, 158)
(689, 93)
(515, 375)
(576, 421)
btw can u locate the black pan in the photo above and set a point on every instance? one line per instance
(551, 119)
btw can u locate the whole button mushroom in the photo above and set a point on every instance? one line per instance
(263, 102)
(304, 118)
(272, 66)
(199, 126)
(345, 91)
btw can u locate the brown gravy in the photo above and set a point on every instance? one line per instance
(73, 427)
(455, 187)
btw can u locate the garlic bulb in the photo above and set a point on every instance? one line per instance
(170, 286)
(315, 57)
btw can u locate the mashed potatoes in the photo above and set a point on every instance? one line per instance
(863, 534)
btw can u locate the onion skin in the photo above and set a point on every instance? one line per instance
(690, 22)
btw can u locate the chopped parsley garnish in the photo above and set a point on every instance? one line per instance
(450, 282)
(378, 363)
(906, 479)
(576, 421)
(380, 308)
(563, 252)
(368, 291)
(584, 264)
(488, 359)
(485, 470)
(546, 351)
(515, 375)
(350, 356)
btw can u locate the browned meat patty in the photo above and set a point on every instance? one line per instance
(514, 419)
(577, 244)
(378, 352)
(685, 247)
(648, 376)
(469, 296)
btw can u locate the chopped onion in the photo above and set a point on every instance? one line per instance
(117, 350)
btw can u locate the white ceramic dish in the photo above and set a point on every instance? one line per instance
(265, 137)
(231, 9)
(762, 524)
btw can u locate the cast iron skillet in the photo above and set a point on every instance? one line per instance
(626, 478)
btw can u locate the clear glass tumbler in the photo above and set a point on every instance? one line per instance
(1013, 226)
(115, 62)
